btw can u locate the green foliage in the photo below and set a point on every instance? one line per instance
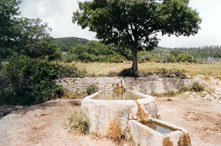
(78, 122)
(170, 93)
(134, 24)
(179, 56)
(26, 81)
(67, 43)
(22, 35)
(43, 49)
(184, 89)
(93, 52)
(129, 72)
(8, 18)
(91, 89)
(144, 56)
(197, 87)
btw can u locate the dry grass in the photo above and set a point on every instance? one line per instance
(77, 122)
(114, 130)
(98, 69)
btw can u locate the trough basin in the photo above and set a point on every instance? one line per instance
(155, 132)
(107, 108)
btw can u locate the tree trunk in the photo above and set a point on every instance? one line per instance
(134, 64)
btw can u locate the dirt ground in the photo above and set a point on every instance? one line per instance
(42, 125)
(201, 118)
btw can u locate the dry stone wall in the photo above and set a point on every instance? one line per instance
(145, 85)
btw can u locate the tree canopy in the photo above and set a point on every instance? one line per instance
(135, 24)
(19, 34)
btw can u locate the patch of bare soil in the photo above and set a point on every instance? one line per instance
(201, 118)
(42, 125)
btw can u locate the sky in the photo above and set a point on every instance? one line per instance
(58, 15)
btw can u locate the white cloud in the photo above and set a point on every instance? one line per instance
(59, 16)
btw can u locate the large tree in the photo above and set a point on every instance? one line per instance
(135, 24)
(22, 35)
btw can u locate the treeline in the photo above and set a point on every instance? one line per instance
(204, 52)
(94, 51)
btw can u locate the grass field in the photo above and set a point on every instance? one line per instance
(98, 69)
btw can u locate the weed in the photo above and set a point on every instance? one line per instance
(91, 89)
(69, 94)
(78, 122)
(114, 131)
(184, 89)
(153, 93)
(197, 87)
(170, 93)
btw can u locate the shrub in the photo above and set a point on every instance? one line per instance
(91, 89)
(63, 71)
(114, 130)
(197, 87)
(144, 56)
(184, 89)
(78, 122)
(28, 81)
(170, 93)
(43, 49)
(128, 73)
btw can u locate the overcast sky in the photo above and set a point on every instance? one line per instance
(58, 14)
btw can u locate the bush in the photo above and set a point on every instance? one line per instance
(128, 73)
(78, 122)
(114, 131)
(170, 93)
(197, 87)
(28, 81)
(91, 89)
(144, 56)
(43, 49)
(184, 89)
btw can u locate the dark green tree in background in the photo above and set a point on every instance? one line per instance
(135, 24)
(8, 20)
(26, 74)
(22, 35)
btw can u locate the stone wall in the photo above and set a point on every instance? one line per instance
(145, 85)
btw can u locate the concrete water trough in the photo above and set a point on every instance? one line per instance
(158, 133)
(132, 115)
(107, 107)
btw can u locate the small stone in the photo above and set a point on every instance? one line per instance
(169, 99)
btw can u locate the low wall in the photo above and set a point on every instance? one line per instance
(145, 85)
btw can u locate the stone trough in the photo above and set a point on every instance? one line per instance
(158, 133)
(131, 115)
(103, 113)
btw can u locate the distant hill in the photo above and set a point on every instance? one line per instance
(66, 43)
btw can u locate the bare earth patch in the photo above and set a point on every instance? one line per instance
(42, 125)
(201, 118)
